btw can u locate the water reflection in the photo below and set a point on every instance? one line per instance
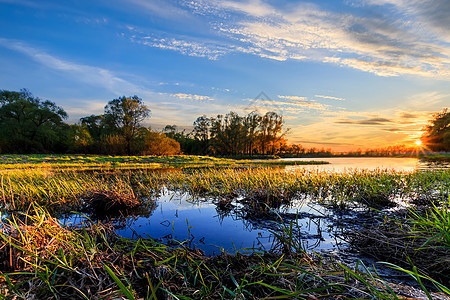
(206, 225)
(343, 164)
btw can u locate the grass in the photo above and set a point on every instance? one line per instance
(257, 186)
(43, 259)
(91, 262)
(421, 239)
(103, 163)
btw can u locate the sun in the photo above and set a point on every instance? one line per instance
(418, 143)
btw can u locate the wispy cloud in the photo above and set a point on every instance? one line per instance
(302, 102)
(293, 98)
(329, 97)
(382, 43)
(162, 8)
(164, 106)
(184, 46)
(94, 76)
(193, 97)
(371, 121)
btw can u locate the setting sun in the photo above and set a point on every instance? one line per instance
(418, 143)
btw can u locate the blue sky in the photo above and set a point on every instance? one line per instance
(345, 74)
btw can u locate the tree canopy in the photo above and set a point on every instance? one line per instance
(437, 133)
(30, 124)
(232, 134)
(124, 116)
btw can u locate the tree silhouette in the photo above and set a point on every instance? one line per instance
(437, 133)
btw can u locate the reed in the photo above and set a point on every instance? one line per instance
(48, 261)
(43, 259)
(257, 186)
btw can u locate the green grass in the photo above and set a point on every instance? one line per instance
(259, 186)
(92, 262)
(98, 162)
(42, 259)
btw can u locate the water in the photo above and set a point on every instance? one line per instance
(202, 224)
(342, 164)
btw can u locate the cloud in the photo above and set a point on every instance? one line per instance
(371, 121)
(164, 106)
(431, 14)
(380, 43)
(293, 98)
(93, 76)
(186, 47)
(302, 102)
(408, 115)
(162, 8)
(194, 97)
(329, 97)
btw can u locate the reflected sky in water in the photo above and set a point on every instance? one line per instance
(343, 164)
(212, 229)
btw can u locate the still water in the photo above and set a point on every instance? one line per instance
(202, 224)
(342, 164)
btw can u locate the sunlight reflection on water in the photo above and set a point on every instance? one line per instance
(343, 164)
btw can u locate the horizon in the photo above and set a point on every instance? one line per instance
(344, 74)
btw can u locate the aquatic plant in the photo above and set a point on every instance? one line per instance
(42, 259)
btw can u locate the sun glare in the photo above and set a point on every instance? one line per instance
(418, 143)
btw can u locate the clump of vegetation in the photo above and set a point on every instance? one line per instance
(106, 202)
(422, 239)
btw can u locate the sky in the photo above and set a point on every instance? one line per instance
(345, 74)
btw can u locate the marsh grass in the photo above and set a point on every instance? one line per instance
(111, 163)
(44, 260)
(421, 239)
(258, 187)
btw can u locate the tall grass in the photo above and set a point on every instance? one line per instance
(257, 186)
(48, 261)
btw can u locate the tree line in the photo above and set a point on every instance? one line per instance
(31, 125)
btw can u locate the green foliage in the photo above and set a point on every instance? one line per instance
(30, 124)
(80, 139)
(123, 116)
(235, 135)
(437, 135)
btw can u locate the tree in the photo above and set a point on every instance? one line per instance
(30, 124)
(79, 138)
(251, 123)
(271, 126)
(157, 143)
(201, 132)
(123, 116)
(437, 133)
(95, 125)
